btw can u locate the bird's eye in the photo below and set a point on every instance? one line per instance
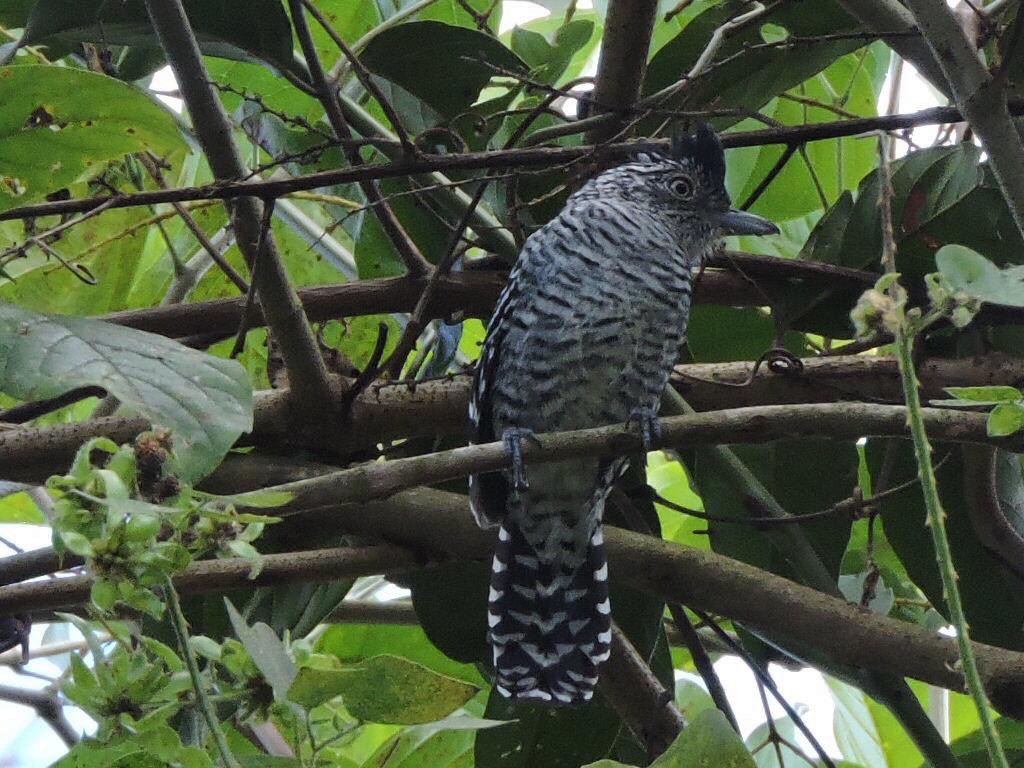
(682, 187)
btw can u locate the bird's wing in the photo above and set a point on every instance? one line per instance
(488, 492)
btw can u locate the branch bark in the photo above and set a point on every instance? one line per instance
(629, 686)
(890, 16)
(628, 27)
(980, 98)
(440, 522)
(318, 565)
(392, 411)
(306, 369)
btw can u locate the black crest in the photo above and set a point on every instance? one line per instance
(704, 148)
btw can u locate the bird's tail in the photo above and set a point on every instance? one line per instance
(550, 623)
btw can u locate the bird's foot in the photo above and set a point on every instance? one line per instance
(513, 438)
(644, 420)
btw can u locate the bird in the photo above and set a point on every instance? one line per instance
(584, 334)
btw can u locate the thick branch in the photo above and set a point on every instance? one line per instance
(633, 691)
(440, 522)
(306, 369)
(513, 158)
(981, 99)
(389, 411)
(890, 16)
(838, 421)
(219, 575)
(622, 64)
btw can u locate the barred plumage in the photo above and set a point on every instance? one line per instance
(584, 334)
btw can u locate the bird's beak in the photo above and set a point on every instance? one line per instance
(736, 222)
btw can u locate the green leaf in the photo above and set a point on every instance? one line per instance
(352, 643)
(708, 740)
(253, 499)
(972, 273)
(986, 395)
(77, 543)
(205, 401)
(855, 731)
(460, 62)
(267, 652)
(60, 124)
(384, 689)
(1005, 419)
(748, 75)
(19, 508)
(973, 753)
(266, 34)
(991, 596)
(548, 61)
(446, 743)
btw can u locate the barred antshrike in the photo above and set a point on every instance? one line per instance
(585, 334)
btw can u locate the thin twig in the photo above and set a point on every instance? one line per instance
(407, 250)
(364, 77)
(200, 235)
(769, 177)
(515, 158)
(766, 680)
(248, 311)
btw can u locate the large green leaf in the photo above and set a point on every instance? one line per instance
(104, 246)
(708, 740)
(803, 475)
(383, 689)
(976, 276)
(447, 743)
(267, 651)
(973, 753)
(929, 186)
(352, 643)
(743, 73)
(205, 401)
(59, 125)
(854, 728)
(991, 595)
(460, 62)
(233, 29)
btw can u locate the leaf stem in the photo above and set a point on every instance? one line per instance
(205, 705)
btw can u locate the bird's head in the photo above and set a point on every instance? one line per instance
(686, 184)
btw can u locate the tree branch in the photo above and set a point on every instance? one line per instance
(622, 63)
(632, 690)
(981, 99)
(534, 157)
(392, 411)
(890, 16)
(440, 522)
(307, 373)
(318, 565)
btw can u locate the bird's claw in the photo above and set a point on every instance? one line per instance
(644, 420)
(513, 438)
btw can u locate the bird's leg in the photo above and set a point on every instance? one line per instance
(644, 420)
(513, 438)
